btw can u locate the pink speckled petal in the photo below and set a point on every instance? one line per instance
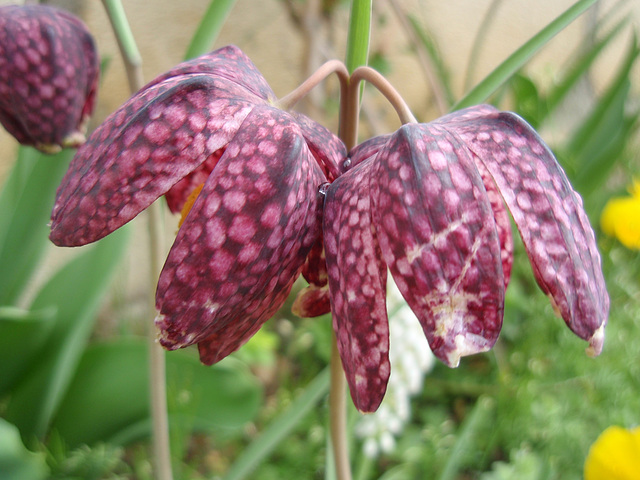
(154, 140)
(48, 76)
(365, 150)
(245, 240)
(550, 217)
(357, 279)
(328, 149)
(438, 235)
(503, 223)
(227, 62)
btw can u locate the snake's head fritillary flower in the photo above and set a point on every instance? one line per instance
(428, 202)
(246, 176)
(48, 76)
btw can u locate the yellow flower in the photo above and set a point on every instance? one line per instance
(615, 455)
(621, 218)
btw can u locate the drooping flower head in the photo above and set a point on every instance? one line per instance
(208, 129)
(48, 76)
(428, 202)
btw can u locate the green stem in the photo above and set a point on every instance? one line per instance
(128, 48)
(209, 27)
(157, 367)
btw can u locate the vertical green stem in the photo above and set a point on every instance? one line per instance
(157, 370)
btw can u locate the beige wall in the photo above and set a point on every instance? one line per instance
(264, 31)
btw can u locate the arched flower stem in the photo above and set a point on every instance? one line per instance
(332, 66)
(157, 368)
(382, 84)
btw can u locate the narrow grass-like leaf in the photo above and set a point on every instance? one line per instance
(607, 144)
(359, 34)
(521, 56)
(22, 333)
(443, 74)
(209, 27)
(25, 207)
(581, 67)
(109, 394)
(579, 140)
(76, 290)
(467, 438)
(279, 428)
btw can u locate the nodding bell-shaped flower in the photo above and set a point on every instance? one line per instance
(246, 176)
(48, 76)
(428, 203)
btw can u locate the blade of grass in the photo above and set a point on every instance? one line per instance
(25, 206)
(466, 440)
(359, 34)
(521, 56)
(580, 139)
(209, 27)
(478, 41)
(581, 67)
(277, 430)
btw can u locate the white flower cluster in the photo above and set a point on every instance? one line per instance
(411, 359)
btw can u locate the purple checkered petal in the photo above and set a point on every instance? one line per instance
(245, 240)
(157, 138)
(549, 215)
(357, 283)
(228, 62)
(438, 235)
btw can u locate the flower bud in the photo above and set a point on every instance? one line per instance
(48, 76)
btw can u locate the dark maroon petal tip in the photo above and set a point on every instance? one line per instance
(229, 63)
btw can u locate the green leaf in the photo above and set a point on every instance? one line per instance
(441, 69)
(16, 462)
(209, 27)
(527, 100)
(609, 98)
(477, 420)
(279, 428)
(25, 207)
(76, 291)
(22, 333)
(359, 34)
(521, 56)
(580, 68)
(108, 399)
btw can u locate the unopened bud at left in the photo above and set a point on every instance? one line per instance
(48, 76)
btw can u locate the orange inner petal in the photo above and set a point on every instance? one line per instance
(188, 204)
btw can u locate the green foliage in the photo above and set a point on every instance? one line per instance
(16, 462)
